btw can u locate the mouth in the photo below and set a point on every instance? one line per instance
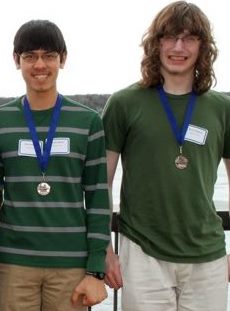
(40, 77)
(177, 58)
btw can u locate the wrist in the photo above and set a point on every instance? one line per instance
(97, 275)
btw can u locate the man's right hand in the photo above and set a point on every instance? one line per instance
(113, 276)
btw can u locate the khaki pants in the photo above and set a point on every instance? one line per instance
(38, 289)
(155, 285)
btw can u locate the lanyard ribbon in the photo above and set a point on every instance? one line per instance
(179, 133)
(42, 157)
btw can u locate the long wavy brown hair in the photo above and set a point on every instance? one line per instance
(173, 20)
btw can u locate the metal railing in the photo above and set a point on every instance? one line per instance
(115, 228)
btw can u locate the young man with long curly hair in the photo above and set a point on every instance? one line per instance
(171, 131)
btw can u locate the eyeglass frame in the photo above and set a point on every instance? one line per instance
(31, 57)
(187, 39)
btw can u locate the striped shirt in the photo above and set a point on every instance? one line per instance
(69, 227)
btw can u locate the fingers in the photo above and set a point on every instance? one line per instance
(113, 276)
(89, 292)
(90, 301)
(75, 297)
(114, 280)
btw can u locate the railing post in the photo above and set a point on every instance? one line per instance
(115, 229)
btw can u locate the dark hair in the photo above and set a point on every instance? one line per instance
(174, 19)
(39, 34)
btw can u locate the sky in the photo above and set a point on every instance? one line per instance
(103, 41)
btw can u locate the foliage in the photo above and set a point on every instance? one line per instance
(94, 101)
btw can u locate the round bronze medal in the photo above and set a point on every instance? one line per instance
(43, 188)
(181, 162)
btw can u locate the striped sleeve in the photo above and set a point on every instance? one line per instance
(96, 197)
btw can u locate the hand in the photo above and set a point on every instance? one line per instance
(91, 290)
(113, 276)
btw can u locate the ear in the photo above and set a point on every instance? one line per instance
(63, 60)
(17, 60)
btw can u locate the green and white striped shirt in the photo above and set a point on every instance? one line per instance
(70, 226)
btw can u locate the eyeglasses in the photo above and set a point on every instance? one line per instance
(188, 40)
(32, 58)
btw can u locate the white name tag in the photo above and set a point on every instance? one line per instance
(196, 134)
(60, 146)
(26, 148)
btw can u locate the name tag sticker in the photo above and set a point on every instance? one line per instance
(26, 148)
(60, 146)
(196, 134)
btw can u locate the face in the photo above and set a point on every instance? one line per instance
(39, 69)
(178, 54)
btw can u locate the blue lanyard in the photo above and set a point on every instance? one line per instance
(179, 133)
(42, 157)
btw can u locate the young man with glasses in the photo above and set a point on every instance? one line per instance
(171, 131)
(54, 219)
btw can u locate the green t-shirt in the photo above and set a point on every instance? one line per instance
(167, 211)
(70, 226)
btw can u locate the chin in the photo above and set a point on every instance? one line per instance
(41, 90)
(177, 71)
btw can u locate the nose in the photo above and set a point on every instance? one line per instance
(39, 62)
(179, 44)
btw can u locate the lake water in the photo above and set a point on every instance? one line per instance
(220, 198)
(220, 194)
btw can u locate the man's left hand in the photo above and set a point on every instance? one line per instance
(91, 290)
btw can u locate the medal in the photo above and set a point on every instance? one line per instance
(181, 162)
(43, 188)
(43, 156)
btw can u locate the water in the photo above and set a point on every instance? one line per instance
(221, 189)
(220, 193)
(221, 202)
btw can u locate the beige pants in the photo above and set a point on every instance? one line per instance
(155, 285)
(37, 289)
